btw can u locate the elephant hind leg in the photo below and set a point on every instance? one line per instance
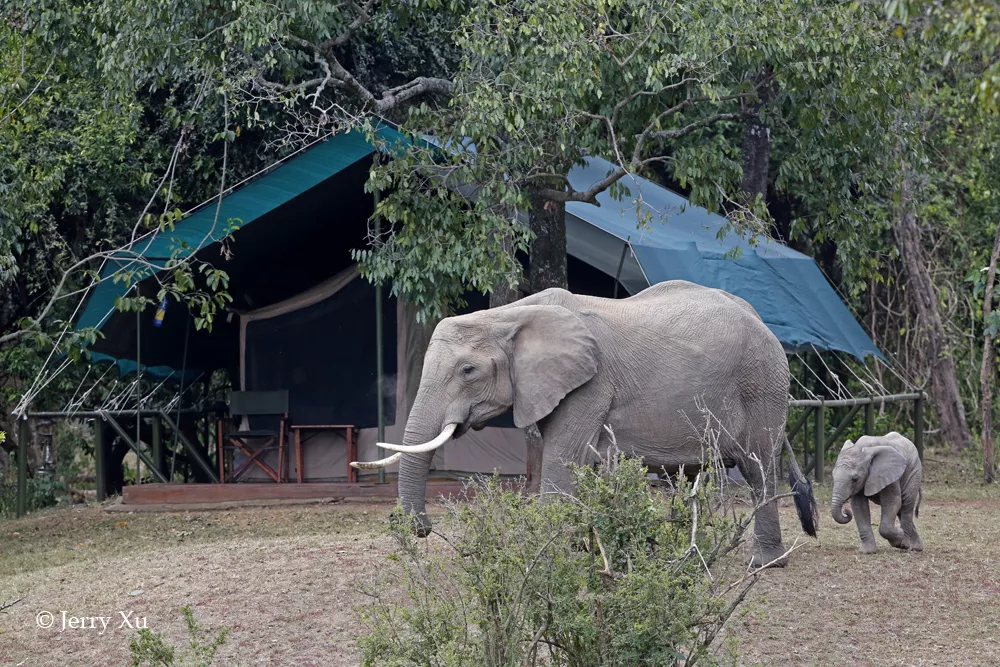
(891, 506)
(767, 547)
(909, 529)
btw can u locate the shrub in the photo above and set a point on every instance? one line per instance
(151, 648)
(620, 575)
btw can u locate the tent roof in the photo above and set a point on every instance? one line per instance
(282, 185)
(681, 242)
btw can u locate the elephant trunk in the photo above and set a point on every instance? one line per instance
(413, 471)
(840, 515)
(415, 467)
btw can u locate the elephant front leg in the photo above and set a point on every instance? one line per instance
(567, 436)
(863, 519)
(557, 477)
(891, 503)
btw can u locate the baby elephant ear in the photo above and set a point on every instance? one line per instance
(887, 466)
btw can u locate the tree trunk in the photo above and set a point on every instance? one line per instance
(547, 255)
(931, 332)
(548, 248)
(756, 149)
(988, 371)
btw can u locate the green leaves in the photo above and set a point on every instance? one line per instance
(973, 27)
(619, 575)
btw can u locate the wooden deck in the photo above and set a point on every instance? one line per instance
(186, 494)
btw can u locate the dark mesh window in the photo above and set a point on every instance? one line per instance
(324, 355)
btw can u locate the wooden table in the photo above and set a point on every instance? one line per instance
(352, 446)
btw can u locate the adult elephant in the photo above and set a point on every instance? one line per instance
(647, 365)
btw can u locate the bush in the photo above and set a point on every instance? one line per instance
(621, 575)
(42, 492)
(152, 648)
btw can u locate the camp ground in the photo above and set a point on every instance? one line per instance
(321, 362)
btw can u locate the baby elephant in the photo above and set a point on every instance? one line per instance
(886, 470)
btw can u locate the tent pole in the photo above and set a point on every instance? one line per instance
(138, 387)
(180, 401)
(378, 355)
(621, 263)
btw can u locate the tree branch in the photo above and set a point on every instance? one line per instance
(363, 17)
(34, 90)
(338, 75)
(8, 605)
(697, 125)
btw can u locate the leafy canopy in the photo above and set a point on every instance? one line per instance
(657, 89)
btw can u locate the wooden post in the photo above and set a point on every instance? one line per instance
(820, 444)
(101, 460)
(352, 455)
(870, 417)
(159, 455)
(23, 433)
(918, 425)
(848, 420)
(221, 452)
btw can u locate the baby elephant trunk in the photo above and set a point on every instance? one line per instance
(837, 508)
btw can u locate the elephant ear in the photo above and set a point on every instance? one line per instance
(847, 445)
(887, 466)
(552, 353)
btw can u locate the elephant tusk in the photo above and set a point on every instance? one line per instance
(426, 447)
(372, 465)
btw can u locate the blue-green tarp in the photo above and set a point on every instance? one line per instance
(679, 241)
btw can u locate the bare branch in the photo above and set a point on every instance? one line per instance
(697, 125)
(34, 90)
(363, 17)
(8, 605)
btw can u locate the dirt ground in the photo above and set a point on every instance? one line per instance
(284, 579)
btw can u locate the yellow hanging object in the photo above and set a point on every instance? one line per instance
(160, 313)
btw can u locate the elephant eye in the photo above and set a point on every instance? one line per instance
(854, 478)
(467, 369)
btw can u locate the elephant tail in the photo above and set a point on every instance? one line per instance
(805, 503)
(920, 496)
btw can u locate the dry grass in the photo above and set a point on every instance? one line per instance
(281, 578)
(835, 606)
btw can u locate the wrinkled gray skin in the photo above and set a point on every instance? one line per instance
(885, 470)
(573, 363)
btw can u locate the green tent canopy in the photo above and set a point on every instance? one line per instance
(312, 204)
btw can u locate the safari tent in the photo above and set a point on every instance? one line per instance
(304, 321)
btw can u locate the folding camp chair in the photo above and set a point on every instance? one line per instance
(245, 404)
